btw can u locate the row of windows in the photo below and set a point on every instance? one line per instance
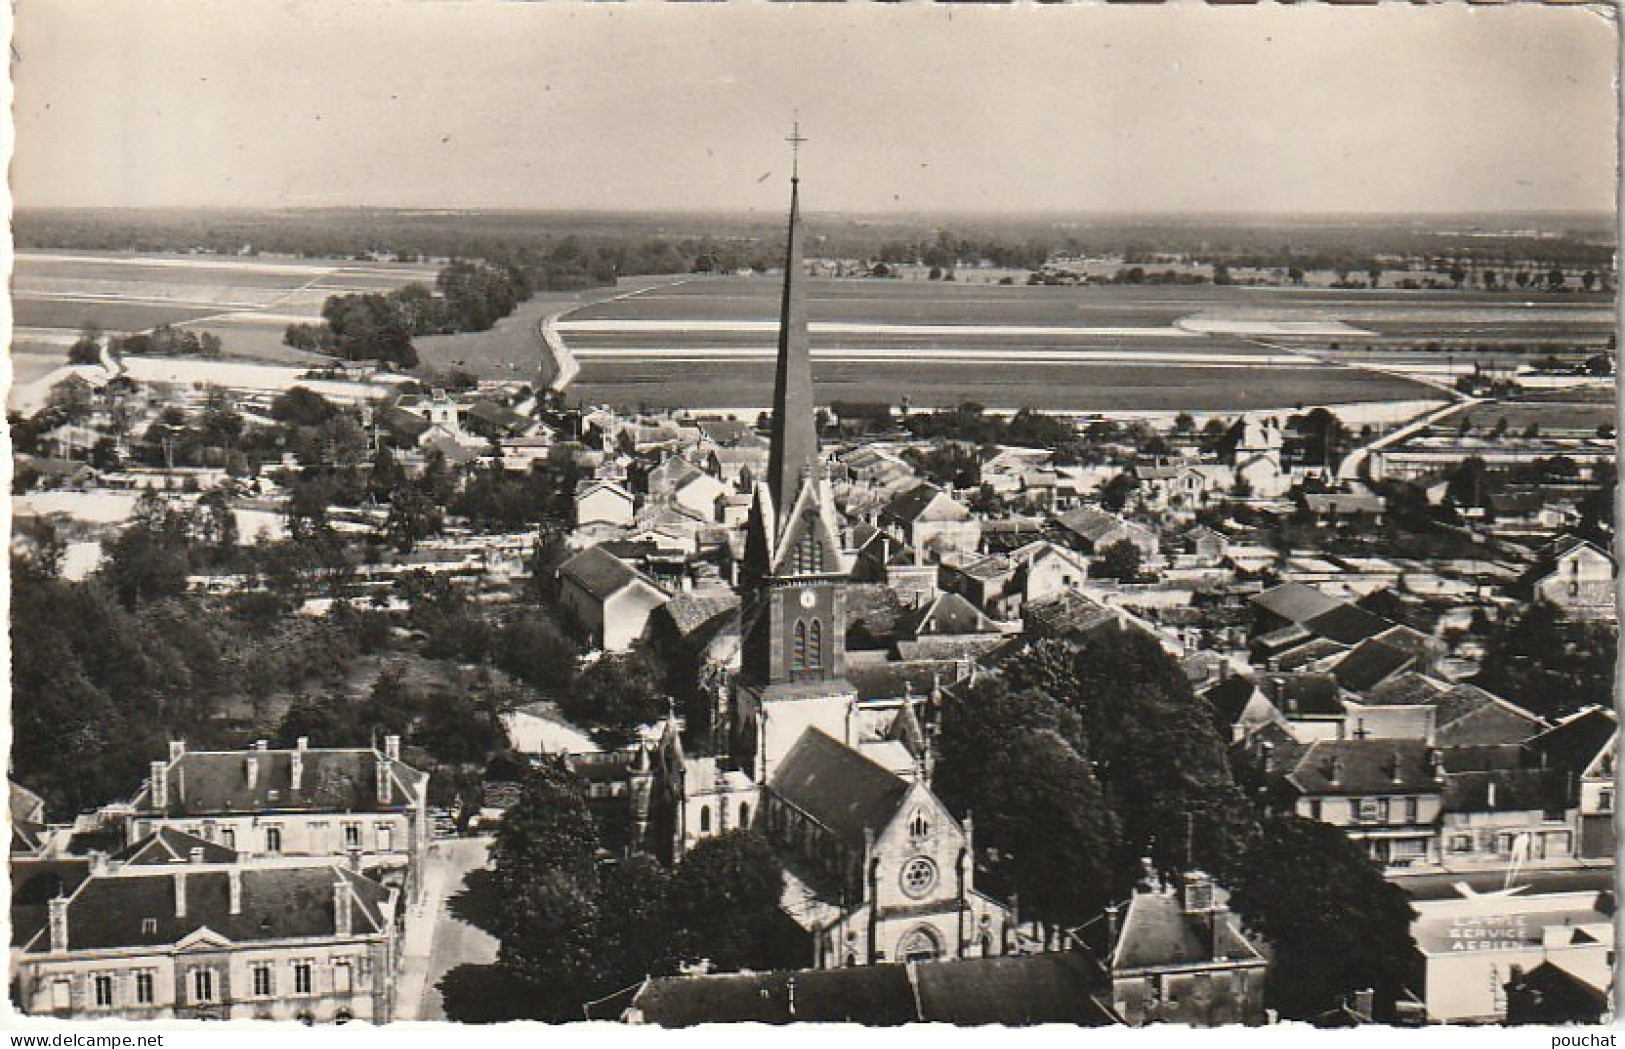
(202, 986)
(103, 991)
(273, 836)
(1369, 810)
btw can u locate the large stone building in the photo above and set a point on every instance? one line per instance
(305, 801)
(199, 939)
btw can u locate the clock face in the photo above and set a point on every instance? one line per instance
(808, 599)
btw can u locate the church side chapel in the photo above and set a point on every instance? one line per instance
(876, 868)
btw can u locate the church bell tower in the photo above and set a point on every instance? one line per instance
(793, 608)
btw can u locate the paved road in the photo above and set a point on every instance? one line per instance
(436, 941)
(1438, 886)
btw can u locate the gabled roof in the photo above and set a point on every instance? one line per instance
(1347, 624)
(1295, 602)
(1094, 524)
(948, 615)
(1014, 990)
(1370, 663)
(498, 415)
(1157, 934)
(1576, 742)
(170, 845)
(925, 502)
(1228, 698)
(838, 787)
(1303, 694)
(1068, 614)
(35, 881)
(602, 574)
(1365, 766)
(693, 610)
(277, 903)
(895, 678)
(1559, 993)
(1408, 689)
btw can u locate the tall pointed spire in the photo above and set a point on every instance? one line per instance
(795, 435)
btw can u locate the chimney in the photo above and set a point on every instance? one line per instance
(1266, 753)
(252, 769)
(1334, 774)
(59, 923)
(296, 767)
(99, 864)
(1489, 795)
(1398, 769)
(302, 743)
(234, 878)
(180, 894)
(195, 854)
(392, 748)
(341, 909)
(1365, 1001)
(386, 795)
(177, 747)
(158, 792)
(260, 744)
(1111, 928)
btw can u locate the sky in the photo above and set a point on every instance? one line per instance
(1175, 108)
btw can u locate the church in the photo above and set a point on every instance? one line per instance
(876, 868)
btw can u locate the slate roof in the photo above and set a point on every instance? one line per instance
(1558, 992)
(1309, 652)
(171, 845)
(34, 882)
(1228, 698)
(1365, 766)
(691, 611)
(1516, 790)
(1348, 624)
(911, 505)
(1479, 718)
(730, 433)
(948, 614)
(600, 573)
(1576, 741)
(333, 780)
(1295, 602)
(497, 415)
(1370, 663)
(277, 903)
(841, 789)
(895, 678)
(1013, 990)
(1157, 933)
(959, 646)
(1068, 614)
(1303, 694)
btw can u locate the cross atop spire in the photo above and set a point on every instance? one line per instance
(795, 141)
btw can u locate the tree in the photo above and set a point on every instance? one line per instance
(1018, 762)
(1555, 279)
(1336, 925)
(413, 516)
(1548, 664)
(548, 830)
(1114, 494)
(616, 695)
(1184, 423)
(87, 349)
(534, 650)
(151, 558)
(1374, 271)
(1119, 561)
(725, 904)
(1152, 745)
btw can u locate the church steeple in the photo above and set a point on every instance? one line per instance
(795, 435)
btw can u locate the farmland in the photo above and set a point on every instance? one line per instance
(246, 301)
(708, 342)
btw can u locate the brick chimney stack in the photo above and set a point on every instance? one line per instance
(59, 923)
(341, 909)
(296, 767)
(180, 894)
(158, 792)
(252, 770)
(235, 880)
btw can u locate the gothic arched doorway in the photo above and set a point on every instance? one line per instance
(920, 944)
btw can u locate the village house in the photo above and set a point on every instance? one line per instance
(1182, 958)
(608, 599)
(1091, 530)
(603, 502)
(319, 802)
(1582, 748)
(1386, 795)
(1575, 576)
(201, 938)
(929, 519)
(1500, 816)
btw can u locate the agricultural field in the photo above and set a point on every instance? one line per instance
(1580, 416)
(708, 342)
(248, 302)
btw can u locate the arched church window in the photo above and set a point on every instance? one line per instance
(705, 819)
(918, 825)
(815, 645)
(744, 814)
(798, 646)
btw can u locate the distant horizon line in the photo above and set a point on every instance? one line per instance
(752, 211)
